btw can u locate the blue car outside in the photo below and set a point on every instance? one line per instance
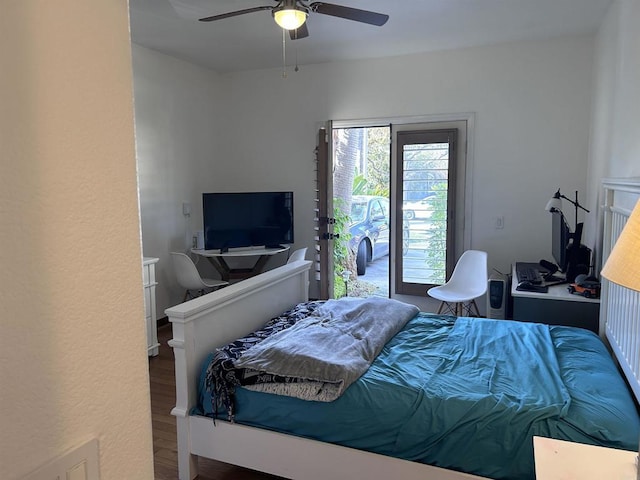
(369, 229)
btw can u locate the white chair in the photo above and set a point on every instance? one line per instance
(189, 278)
(468, 282)
(298, 255)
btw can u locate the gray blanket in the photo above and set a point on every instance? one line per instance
(331, 348)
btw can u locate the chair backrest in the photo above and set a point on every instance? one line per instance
(186, 272)
(471, 272)
(298, 255)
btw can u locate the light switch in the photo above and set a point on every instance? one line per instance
(78, 472)
(186, 208)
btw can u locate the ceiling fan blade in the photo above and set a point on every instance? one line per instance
(355, 14)
(234, 14)
(300, 32)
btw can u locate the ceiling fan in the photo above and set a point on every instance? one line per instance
(292, 15)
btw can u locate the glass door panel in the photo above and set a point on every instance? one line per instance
(426, 194)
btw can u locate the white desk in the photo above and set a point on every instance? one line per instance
(560, 460)
(556, 307)
(219, 260)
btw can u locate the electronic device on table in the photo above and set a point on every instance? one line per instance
(537, 277)
(247, 219)
(529, 278)
(572, 257)
(528, 272)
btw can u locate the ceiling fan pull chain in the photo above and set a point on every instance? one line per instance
(284, 55)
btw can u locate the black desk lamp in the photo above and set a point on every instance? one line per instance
(555, 203)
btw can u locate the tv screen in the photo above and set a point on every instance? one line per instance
(235, 220)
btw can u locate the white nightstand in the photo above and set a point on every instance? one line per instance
(561, 460)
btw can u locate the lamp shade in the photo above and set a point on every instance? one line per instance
(554, 203)
(623, 265)
(290, 18)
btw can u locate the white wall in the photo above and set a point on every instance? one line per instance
(68, 184)
(532, 105)
(180, 115)
(73, 360)
(625, 140)
(615, 128)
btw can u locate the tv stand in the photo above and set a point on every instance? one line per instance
(259, 256)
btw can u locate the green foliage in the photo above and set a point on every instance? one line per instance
(339, 288)
(360, 185)
(375, 179)
(378, 166)
(437, 252)
(341, 229)
(340, 244)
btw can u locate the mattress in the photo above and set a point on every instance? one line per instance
(466, 394)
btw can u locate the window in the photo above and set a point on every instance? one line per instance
(377, 210)
(425, 206)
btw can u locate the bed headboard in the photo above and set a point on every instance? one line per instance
(620, 306)
(215, 319)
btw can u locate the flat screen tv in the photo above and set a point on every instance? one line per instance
(249, 219)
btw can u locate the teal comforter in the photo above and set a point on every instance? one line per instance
(469, 395)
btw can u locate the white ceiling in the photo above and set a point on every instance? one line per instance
(254, 41)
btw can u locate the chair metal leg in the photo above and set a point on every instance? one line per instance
(475, 305)
(470, 307)
(456, 308)
(189, 296)
(459, 309)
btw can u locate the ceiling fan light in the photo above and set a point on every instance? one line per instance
(290, 18)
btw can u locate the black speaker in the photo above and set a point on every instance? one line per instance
(578, 262)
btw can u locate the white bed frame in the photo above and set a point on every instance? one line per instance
(620, 306)
(211, 321)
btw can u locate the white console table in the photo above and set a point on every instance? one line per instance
(219, 260)
(149, 281)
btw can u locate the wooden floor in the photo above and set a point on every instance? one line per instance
(164, 425)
